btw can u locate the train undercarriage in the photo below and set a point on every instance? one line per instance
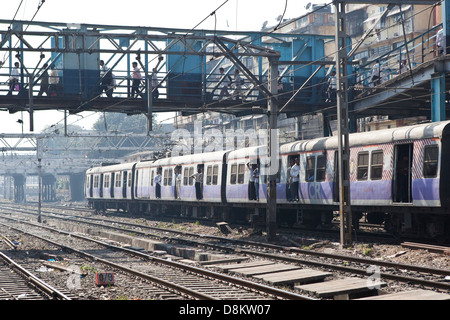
(401, 222)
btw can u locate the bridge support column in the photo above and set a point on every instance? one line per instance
(19, 188)
(48, 188)
(77, 186)
(438, 97)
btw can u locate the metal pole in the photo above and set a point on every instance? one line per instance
(345, 213)
(149, 103)
(30, 98)
(272, 151)
(39, 156)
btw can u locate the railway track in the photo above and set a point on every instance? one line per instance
(17, 283)
(188, 281)
(418, 276)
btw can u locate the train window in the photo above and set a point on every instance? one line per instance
(186, 176)
(321, 168)
(310, 164)
(430, 161)
(363, 165)
(209, 175)
(107, 179)
(118, 181)
(241, 173)
(168, 177)
(191, 173)
(215, 176)
(152, 178)
(233, 175)
(376, 165)
(129, 179)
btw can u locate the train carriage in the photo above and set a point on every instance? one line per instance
(109, 186)
(212, 165)
(397, 177)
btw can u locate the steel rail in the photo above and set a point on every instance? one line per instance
(38, 283)
(214, 275)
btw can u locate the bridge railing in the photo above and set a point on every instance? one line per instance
(412, 53)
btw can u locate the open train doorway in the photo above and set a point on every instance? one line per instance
(403, 157)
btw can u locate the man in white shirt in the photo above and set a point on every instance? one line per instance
(376, 74)
(224, 85)
(157, 182)
(295, 173)
(440, 42)
(53, 81)
(14, 78)
(137, 78)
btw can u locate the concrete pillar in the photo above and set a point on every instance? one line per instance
(77, 186)
(19, 188)
(438, 97)
(48, 188)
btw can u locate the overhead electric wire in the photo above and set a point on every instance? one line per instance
(265, 34)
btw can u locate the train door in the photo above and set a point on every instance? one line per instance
(336, 178)
(124, 183)
(101, 186)
(91, 186)
(113, 184)
(290, 193)
(402, 191)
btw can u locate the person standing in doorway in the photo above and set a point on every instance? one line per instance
(198, 177)
(157, 182)
(295, 173)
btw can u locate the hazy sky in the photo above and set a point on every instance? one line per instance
(240, 15)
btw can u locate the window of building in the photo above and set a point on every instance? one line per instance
(430, 161)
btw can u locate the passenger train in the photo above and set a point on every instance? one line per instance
(398, 177)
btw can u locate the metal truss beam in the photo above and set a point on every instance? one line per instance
(395, 2)
(80, 142)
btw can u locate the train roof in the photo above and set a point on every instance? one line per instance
(197, 158)
(110, 168)
(419, 131)
(251, 153)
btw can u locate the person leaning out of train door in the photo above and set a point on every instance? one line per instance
(177, 182)
(157, 182)
(295, 173)
(198, 177)
(289, 181)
